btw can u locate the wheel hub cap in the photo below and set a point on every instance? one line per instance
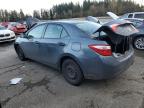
(139, 43)
(71, 72)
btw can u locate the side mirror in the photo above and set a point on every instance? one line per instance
(27, 36)
(30, 37)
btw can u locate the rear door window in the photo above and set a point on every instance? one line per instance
(139, 16)
(64, 33)
(53, 31)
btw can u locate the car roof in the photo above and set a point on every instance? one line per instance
(136, 13)
(73, 22)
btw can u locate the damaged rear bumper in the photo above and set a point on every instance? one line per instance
(108, 67)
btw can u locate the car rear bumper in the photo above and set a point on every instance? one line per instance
(107, 67)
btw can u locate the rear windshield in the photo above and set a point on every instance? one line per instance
(126, 30)
(88, 27)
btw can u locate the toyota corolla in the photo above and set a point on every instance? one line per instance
(79, 49)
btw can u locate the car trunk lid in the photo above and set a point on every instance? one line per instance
(117, 34)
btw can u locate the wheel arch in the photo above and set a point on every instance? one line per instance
(68, 56)
(140, 35)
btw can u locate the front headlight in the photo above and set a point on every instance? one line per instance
(12, 34)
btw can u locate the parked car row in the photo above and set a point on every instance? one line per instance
(9, 30)
(16, 27)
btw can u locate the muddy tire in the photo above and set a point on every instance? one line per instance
(72, 72)
(20, 53)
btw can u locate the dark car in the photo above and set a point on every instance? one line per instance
(138, 38)
(79, 49)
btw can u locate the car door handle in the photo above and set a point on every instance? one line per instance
(61, 44)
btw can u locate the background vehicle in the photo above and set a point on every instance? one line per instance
(80, 49)
(17, 28)
(139, 15)
(6, 35)
(5, 24)
(138, 38)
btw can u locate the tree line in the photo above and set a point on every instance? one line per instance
(71, 10)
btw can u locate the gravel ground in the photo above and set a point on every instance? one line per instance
(43, 87)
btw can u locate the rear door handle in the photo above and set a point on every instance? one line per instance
(61, 44)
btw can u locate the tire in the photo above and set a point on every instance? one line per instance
(20, 53)
(72, 72)
(138, 43)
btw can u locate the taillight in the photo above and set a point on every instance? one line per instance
(114, 27)
(104, 50)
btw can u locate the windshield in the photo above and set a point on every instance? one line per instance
(2, 28)
(88, 27)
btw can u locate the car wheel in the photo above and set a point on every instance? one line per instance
(139, 43)
(20, 53)
(72, 72)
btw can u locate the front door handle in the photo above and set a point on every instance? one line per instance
(61, 44)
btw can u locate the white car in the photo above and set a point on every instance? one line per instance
(6, 35)
(139, 15)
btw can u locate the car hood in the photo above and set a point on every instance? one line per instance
(5, 31)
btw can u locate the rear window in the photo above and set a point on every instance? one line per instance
(126, 29)
(88, 27)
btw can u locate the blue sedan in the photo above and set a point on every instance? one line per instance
(79, 49)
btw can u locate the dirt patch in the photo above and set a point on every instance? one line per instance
(29, 86)
(139, 53)
(142, 104)
(121, 93)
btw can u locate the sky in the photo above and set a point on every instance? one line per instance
(29, 5)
